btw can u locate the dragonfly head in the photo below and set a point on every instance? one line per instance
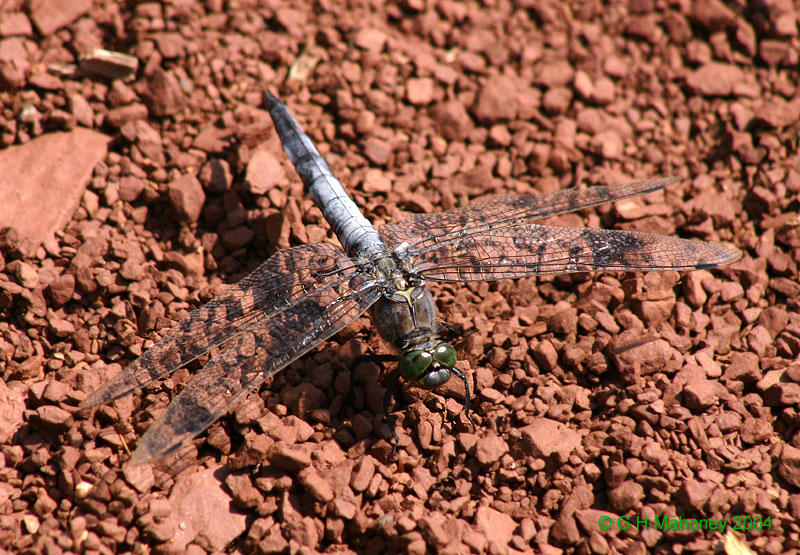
(428, 368)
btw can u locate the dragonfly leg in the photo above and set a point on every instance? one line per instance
(457, 333)
(392, 392)
(460, 375)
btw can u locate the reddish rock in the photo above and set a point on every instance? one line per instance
(544, 437)
(54, 417)
(117, 117)
(787, 287)
(644, 27)
(604, 91)
(497, 100)
(744, 367)
(694, 494)
(149, 141)
(700, 393)
(264, 171)
(371, 39)
(564, 321)
(25, 273)
(693, 289)
(773, 52)
(545, 355)
(783, 394)
(712, 15)
(375, 181)
(315, 484)
(433, 529)
(452, 121)
(108, 64)
(715, 79)
(472, 62)
(244, 494)
(499, 135)
(627, 496)
(759, 340)
(494, 524)
(363, 472)
(636, 357)
(15, 24)
(45, 180)
(555, 74)
(171, 45)
(212, 139)
(12, 409)
(203, 510)
(11, 78)
(163, 94)
(420, 92)
(292, 20)
(61, 289)
(778, 113)
(565, 530)
(490, 448)
(583, 85)
(130, 188)
(45, 81)
(557, 100)
(789, 465)
(774, 319)
(293, 458)
(51, 15)
(608, 144)
(755, 430)
(377, 151)
(186, 197)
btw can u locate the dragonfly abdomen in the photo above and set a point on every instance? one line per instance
(355, 232)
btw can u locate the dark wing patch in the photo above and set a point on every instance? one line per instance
(274, 287)
(532, 249)
(253, 356)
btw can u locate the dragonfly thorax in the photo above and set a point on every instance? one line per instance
(406, 318)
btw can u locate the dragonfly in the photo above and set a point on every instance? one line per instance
(303, 295)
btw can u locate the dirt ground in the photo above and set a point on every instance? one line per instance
(606, 405)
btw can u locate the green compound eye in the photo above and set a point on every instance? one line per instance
(414, 364)
(445, 354)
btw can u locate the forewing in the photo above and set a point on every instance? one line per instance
(275, 286)
(530, 250)
(252, 357)
(423, 231)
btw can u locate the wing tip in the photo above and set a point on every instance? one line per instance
(91, 401)
(724, 254)
(142, 455)
(100, 397)
(107, 393)
(656, 183)
(668, 180)
(161, 440)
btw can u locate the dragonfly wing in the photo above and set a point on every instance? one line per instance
(253, 356)
(273, 287)
(423, 231)
(531, 250)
